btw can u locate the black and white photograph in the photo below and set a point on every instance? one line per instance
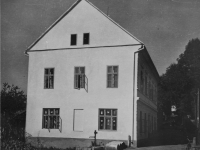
(100, 75)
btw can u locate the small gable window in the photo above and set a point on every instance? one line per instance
(73, 39)
(86, 38)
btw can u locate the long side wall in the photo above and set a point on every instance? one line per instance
(148, 123)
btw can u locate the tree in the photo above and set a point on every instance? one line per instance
(13, 100)
(13, 106)
(181, 80)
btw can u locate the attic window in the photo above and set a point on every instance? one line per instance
(86, 38)
(73, 39)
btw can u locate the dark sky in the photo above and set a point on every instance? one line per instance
(164, 26)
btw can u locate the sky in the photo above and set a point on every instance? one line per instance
(164, 26)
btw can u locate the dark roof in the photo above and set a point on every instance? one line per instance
(147, 57)
(65, 13)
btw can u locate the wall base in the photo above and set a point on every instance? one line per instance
(67, 142)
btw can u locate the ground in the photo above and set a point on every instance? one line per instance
(167, 147)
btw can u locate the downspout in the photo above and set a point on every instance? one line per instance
(135, 98)
(25, 53)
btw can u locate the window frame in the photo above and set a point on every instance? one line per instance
(48, 76)
(71, 40)
(141, 123)
(149, 123)
(84, 38)
(152, 124)
(145, 123)
(83, 75)
(146, 83)
(142, 79)
(111, 116)
(112, 77)
(49, 122)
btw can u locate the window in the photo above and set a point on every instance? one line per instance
(152, 123)
(112, 76)
(155, 123)
(145, 83)
(145, 123)
(156, 94)
(149, 85)
(140, 121)
(149, 124)
(86, 38)
(141, 81)
(48, 78)
(153, 93)
(51, 118)
(79, 77)
(107, 119)
(73, 39)
(150, 89)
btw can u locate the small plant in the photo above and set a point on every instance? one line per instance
(121, 146)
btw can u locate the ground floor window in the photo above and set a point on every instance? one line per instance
(107, 119)
(141, 122)
(154, 123)
(145, 123)
(51, 118)
(149, 124)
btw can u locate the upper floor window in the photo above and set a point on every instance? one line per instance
(73, 39)
(112, 76)
(155, 94)
(49, 78)
(79, 77)
(141, 81)
(107, 119)
(86, 38)
(150, 88)
(145, 80)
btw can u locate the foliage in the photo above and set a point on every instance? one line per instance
(13, 100)
(169, 136)
(178, 86)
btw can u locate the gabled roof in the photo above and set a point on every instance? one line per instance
(67, 12)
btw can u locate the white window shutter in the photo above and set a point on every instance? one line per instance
(78, 120)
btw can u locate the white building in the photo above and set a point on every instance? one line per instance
(88, 73)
